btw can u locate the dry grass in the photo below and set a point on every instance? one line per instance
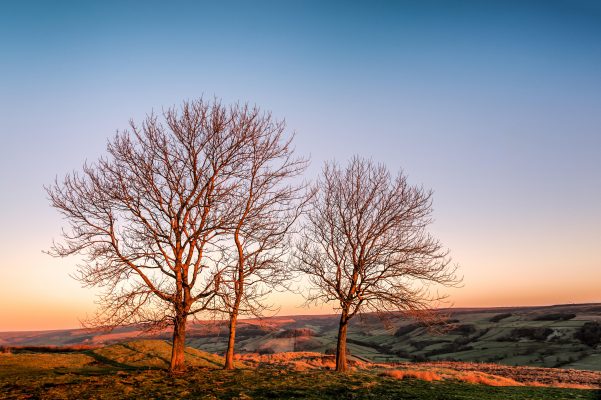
(485, 379)
(561, 385)
(299, 361)
(489, 375)
(530, 376)
(428, 376)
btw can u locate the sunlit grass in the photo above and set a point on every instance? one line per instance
(137, 370)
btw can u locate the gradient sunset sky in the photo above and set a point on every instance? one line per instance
(496, 106)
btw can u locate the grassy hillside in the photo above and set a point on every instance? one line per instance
(559, 336)
(565, 336)
(135, 369)
(546, 337)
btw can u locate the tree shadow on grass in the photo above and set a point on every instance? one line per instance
(148, 355)
(206, 359)
(119, 365)
(167, 361)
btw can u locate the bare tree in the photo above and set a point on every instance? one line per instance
(365, 246)
(149, 217)
(266, 205)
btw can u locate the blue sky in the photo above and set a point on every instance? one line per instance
(496, 106)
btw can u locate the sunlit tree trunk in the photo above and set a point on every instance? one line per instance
(229, 354)
(179, 344)
(238, 292)
(341, 364)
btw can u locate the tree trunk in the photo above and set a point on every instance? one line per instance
(239, 292)
(229, 354)
(179, 344)
(341, 344)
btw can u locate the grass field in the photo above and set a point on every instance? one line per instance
(137, 370)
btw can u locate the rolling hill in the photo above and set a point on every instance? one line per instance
(564, 336)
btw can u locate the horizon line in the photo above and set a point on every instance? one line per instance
(313, 315)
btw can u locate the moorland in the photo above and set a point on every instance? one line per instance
(560, 336)
(479, 353)
(138, 369)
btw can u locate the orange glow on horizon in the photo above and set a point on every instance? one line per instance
(58, 316)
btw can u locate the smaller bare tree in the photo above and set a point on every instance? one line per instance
(267, 205)
(365, 246)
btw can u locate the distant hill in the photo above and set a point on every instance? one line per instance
(565, 336)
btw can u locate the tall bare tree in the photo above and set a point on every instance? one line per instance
(148, 218)
(365, 247)
(267, 205)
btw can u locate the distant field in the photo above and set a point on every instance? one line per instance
(531, 336)
(136, 369)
